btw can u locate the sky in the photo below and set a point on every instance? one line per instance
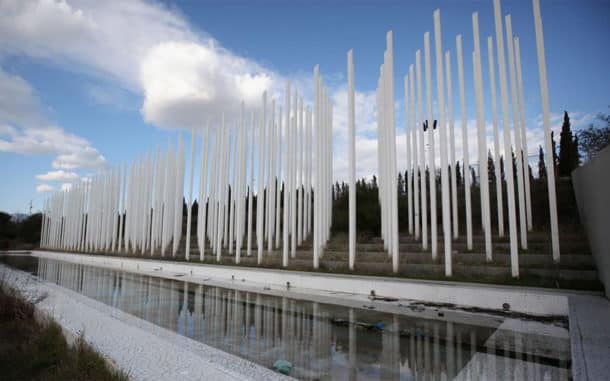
(86, 85)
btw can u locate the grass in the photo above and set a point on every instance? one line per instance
(37, 350)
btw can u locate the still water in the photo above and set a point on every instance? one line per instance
(322, 341)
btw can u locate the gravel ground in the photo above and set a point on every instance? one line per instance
(145, 351)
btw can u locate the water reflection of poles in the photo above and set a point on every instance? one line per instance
(436, 370)
(390, 361)
(353, 370)
(449, 348)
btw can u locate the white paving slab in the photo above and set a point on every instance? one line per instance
(590, 337)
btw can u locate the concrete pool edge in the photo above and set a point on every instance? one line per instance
(527, 300)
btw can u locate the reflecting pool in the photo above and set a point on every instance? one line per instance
(322, 341)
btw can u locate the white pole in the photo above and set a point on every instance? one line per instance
(278, 182)
(422, 153)
(219, 215)
(483, 175)
(442, 131)
(516, 132)
(122, 210)
(298, 108)
(233, 163)
(494, 114)
(189, 205)
(286, 177)
(308, 163)
(203, 200)
(271, 178)
(351, 131)
(528, 196)
(260, 197)
(179, 194)
(508, 163)
(415, 155)
(432, 150)
(299, 173)
(392, 153)
(465, 149)
(450, 117)
(407, 179)
(546, 122)
(318, 189)
(250, 185)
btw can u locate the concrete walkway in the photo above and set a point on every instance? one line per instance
(590, 337)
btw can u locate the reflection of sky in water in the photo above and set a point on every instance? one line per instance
(316, 337)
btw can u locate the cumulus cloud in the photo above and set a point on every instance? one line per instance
(102, 37)
(184, 76)
(23, 128)
(44, 188)
(186, 83)
(57, 176)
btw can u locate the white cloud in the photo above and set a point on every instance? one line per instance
(24, 130)
(187, 83)
(66, 186)
(44, 188)
(87, 157)
(184, 76)
(104, 37)
(57, 176)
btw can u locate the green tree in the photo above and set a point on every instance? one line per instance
(491, 168)
(594, 138)
(568, 148)
(541, 166)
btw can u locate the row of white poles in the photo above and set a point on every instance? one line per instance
(290, 157)
(118, 211)
(421, 128)
(148, 198)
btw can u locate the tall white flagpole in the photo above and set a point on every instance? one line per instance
(351, 128)
(189, 205)
(250, 185)
(483, 175)
(407, 179)
(415, 153)
(432, 150)
(442, 131)
(546, 122)
(451, 122)
(465, 147)
(494, 115)
(286, 177)
(516, 132)
(508, 162)
(422, 154)
(528, 195)
(260, 197)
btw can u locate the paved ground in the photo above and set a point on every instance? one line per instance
(590, 337)
(144, 350)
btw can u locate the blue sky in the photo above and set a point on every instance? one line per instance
(85, 85)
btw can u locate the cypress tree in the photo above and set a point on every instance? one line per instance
(491, 168)
(541, 166)
(575, 154)
(567, 161)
